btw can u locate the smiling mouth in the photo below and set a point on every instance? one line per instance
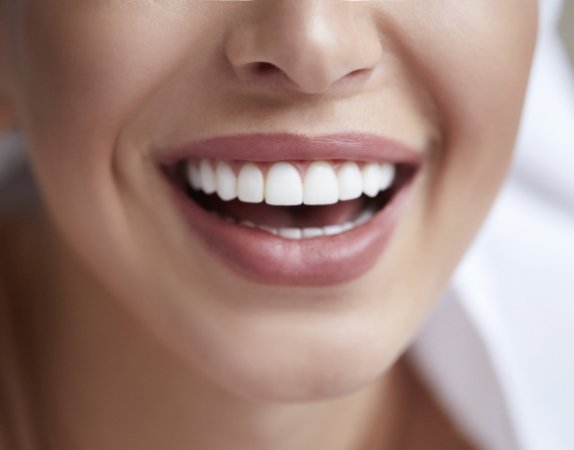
(292, 210)
(293, 199)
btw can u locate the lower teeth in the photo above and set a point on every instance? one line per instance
(307, 233)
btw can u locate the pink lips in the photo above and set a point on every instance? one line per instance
(293, 147)
(268, 259)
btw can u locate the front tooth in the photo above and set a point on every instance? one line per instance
(312, 232)
(291, 233)
(284, 186)
(250, 184)
(207, 177)
(371, 179)
(320, 186)
(193, 176)
(387, 175)
(350, 181)
(332, 230)
(226, 182)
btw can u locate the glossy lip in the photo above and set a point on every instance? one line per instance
(267, 259)
(261, 147)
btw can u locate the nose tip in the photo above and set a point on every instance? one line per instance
(310, 47)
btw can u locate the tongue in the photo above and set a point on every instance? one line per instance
(289, 216)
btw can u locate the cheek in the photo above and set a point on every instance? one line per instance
(86, 70)
(83, 73)
(473, 58)
(482, 102)
(475, 61)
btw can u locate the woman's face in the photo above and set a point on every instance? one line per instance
(120, 99)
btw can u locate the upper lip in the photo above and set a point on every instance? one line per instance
(264, 147)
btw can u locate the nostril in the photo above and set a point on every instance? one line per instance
(357, 72)
(264, 68)
(268, 74)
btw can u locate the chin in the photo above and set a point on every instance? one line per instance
(303, 363)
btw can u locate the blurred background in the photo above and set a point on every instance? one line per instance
(567, 27)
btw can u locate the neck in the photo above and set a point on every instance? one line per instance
(105, 381)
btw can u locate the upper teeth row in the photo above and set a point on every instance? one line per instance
(284, 185)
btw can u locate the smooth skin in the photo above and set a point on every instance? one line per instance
(132, 335)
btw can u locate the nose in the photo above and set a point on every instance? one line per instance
(308, 46)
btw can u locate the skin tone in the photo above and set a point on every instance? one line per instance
(137, 337)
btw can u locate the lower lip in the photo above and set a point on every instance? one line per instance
(268, 259)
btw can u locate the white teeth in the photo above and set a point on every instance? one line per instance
(269, 229)
(320, 186)
(306, 233)
(309, 233)
(291, 233)
(387, 175)
(371, 179)
(283, 186)
(225, 181)
(364, 217)
(250, 184)
(207, 177)
(347, 226)
(350, 181)
(312, 232)
(332, 230)
(193, 175)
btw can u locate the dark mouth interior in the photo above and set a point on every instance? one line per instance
(303, 216)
